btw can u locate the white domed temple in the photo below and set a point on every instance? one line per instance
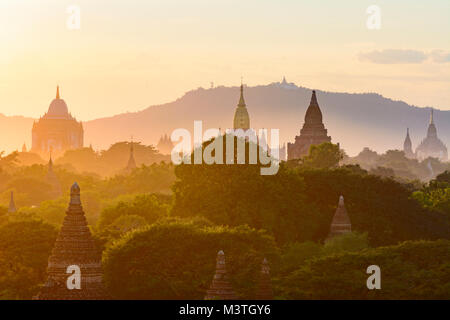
(57, 130)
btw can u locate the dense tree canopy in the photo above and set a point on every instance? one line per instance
(25, 246)
(176, 260)
(411, 270)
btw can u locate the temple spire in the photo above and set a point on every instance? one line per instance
(12, 205)
(431, 117)
(57, 92)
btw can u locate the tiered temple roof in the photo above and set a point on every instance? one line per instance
(220, 288)
(341, 222)
(74, 246)
(264, 291)
(312, 133)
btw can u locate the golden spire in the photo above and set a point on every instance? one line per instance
(57, 92)
(431, 117)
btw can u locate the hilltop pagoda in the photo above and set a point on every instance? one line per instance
(312, 133)
(341, 222)
(220, 288)
(74, 246)
(264, 291)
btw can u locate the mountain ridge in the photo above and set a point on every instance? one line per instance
(355, 120)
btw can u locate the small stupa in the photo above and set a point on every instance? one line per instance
(264, 291)
(341, 222)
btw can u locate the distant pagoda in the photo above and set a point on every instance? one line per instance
(165, 145)
(341, 222)
(432, 146)
(241, 117)
(12, 205)
(52, 179)
(407, 146)
(131, 162)
(74, 246)
(264, 291)
(312, 133)
(220, 288)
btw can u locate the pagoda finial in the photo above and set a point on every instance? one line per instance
(57, 92)
(431, 117)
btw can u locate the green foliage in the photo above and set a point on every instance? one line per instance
(347, 242)
(176, 259)
(25, 246)
(323, 156)
(381, 207)
(295, 254)
(410, 270)
(239, 194)
(123, 216)
(394, 163)
(111, 161)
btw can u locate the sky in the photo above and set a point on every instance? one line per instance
(128, 55)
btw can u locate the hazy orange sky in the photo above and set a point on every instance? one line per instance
(130, 54)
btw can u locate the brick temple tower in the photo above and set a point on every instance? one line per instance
(313, 131)
(74, 247)
(220, 288)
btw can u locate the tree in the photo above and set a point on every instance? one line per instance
(176, 259)
(410, 270)
(25, 246)
(323, 156)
